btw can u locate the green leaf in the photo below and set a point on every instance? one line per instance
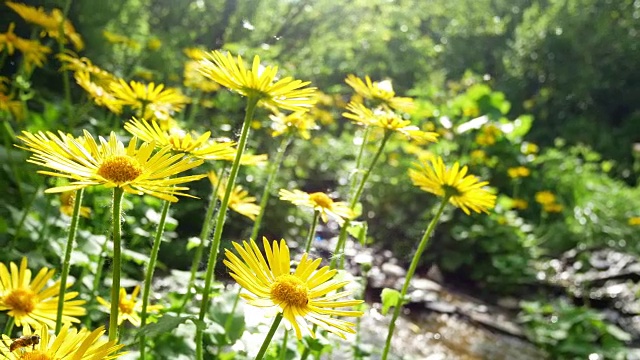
(358, 229)
(521, 127)
(618, 333)
(164, 325)
(390, 297)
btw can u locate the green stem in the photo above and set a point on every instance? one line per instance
(365, 138)
(8, 327)
(195, 104)
(96, 280)
(283, 349)
(204, 235)
(312, 231)
(222, 213)
(342, 238)
(412, 269)
(23, 218)
(67, 256)
(65, 75)
(229, 320)
(267, 340)
(307, 351)
(115, 275)
(150, 269)
(9, 138)
(273, 170)
(367, 173)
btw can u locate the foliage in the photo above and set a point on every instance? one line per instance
(569, 332)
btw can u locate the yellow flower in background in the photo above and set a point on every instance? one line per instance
(133, 169)
(151, 101)
(154, 44)
(320, 202)
(195, 53)
(67, 202)
(70, 61)
(488, 135)
(307, 294)
(634, 221)
(49, 22)
(380, 93)
(193, 78)
(178, 140)
(30, 302)
(297, 122)
(464, 191)
(545, 197)
(239, 201)
(387, 120)
(130, 307)
(98, 93)
(552, 208)
(528, 148)
(258, 82)
(34, 53)
(69, 344)
(478, 156)
(518, 172)
(519, 204)
(11, 106)
(247, 159)
(114, 38)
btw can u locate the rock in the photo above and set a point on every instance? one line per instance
(393, 270)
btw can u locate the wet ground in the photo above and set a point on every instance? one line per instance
(434, 336)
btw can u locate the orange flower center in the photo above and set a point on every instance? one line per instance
(120, 169)
(321, 200)
(290, 290)
(21, 300)
(34, 355)
(127, 306)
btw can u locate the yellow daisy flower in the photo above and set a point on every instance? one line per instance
(248, 159)
(488, 135)
(634, 221)
(320, 202)
(464, 191)
(151, 101)
(519, 204)
(518, 172)
(307, 294)
(130, 307)
(67, 202)
(33, 52)
(98, 93)
(114, 38)
(194, 79)
(195, 53)
(30, 302)
(11, 106)
(68, 344)
(70, 61)
(528, 148)
(50, 22)
(552, 208)
(299, 121)
(259, 82)
(178, 140)
(154, 44)
(133, 169)
(239, 201)
(387, 120)
(380, 93)
(545, 197)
